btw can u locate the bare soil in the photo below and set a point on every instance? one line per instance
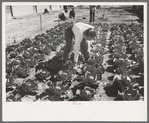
(30, 26)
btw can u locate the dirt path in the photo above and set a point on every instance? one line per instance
(101, 95)
(29, 26)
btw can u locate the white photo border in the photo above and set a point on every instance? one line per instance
(66, 111)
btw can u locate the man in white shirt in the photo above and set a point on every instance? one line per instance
(63, 16)
(82, 33)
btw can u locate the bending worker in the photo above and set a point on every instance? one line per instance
(62, 16)
(83, 34)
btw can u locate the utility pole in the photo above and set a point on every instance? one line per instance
(36, 8)
(11, 11)
(40, 22)
(50, 8)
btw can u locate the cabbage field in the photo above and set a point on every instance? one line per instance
(115, 70)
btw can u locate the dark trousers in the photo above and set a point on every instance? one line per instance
(62, 17)
(68, 37)
(72, 14)
(92, 16)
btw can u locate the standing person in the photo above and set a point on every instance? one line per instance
(72, 14)
(65, 7)
(92, 13)
(83, 34)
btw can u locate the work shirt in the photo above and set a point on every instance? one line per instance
(78, 30)
(63, 15)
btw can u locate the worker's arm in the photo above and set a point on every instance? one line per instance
(78, 38)
(76, 49)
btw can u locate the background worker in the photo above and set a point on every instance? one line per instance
(62, 16)
(92, 13)
(72, 14)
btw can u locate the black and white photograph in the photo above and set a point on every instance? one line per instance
(75, 53)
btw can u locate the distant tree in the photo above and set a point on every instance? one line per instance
(138, 10)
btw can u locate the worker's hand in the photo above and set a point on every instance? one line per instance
(67, 18)
(77, 68)
(75, 64)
